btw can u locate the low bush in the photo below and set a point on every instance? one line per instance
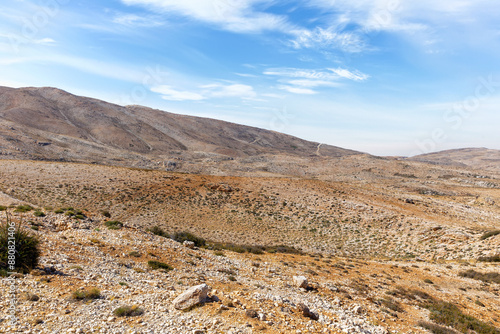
(90, 294)
(485, 277)
(489, 234)
(159, 265)
(157, 230)
(23, 208)
(114, 224)
(39, 213)
(106, 213)
(494, 258)
(436, 329)
(128, 311)
(391, 304)
(187, 236)
(448, 314)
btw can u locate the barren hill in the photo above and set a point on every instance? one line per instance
(480, 158)
(51, 124)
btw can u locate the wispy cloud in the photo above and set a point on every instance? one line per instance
(344, 73)
(236, 16)
(132, 20)
(233, 90)
(215, 90)
(297, 90)
(45, 41)
(168, 93)
(301, 81)
(327, 38)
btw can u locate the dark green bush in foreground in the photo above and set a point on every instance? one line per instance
(26, 248)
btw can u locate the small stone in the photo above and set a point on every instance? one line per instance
(262, 317)
(111, 319)
(300, 282)
(358, 309)
(37, 272)
(251, 313)
(193, 296)
(306, 312)
(188, 244)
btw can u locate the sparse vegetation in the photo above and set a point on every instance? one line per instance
(128, 311)
(183, 236)
(448, 314)
(89, 294)
(106, 213)
(159, 265)
(157, 230)
(23, 208)
(491, 277)
(493, 258)
(39, 213)
(490, 234)
(436, 329)
(114, 224)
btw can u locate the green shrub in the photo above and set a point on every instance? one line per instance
(157, 230)
(114, 224)
(3, 208)
(485, 277)
(494, 258)
(448, 314)
(436, 329)
(106, 213)
(59, 211)
(23, 208)
(183, 236)
(489, 234)
(128, 311)
(428, 281)
(392, 304)
(27, 249)
(159, 265)
(39, 213)
(90, 294)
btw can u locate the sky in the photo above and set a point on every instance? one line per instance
(386, 77)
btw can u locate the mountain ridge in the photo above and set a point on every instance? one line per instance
(51, 124)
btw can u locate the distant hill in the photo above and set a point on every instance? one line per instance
(479, 158)
(51, 124)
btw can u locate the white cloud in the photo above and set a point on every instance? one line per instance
(344, 73)
(300, 81)
(313, 83)
(234, 90)
(297, 90)
(236, 16)
(45, 41)
(327, 38)
(209, 91)
(168, 93)
(132, 20)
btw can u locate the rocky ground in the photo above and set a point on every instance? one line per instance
(249, 293)
(381, 252)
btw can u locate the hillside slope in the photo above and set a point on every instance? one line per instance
(50, 124)
(480, 158)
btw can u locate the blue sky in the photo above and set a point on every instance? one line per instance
(387, 77)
